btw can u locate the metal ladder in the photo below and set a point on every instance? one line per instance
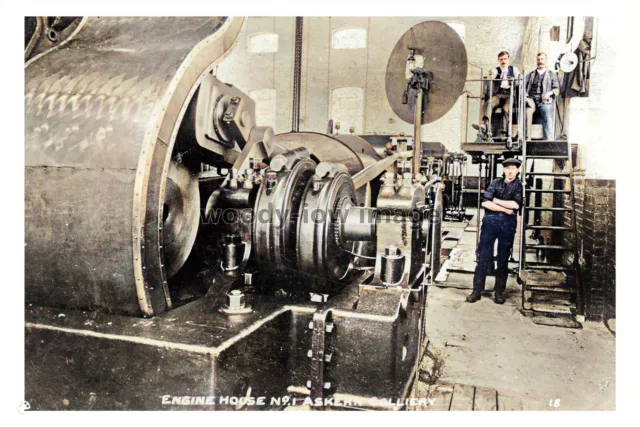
(549, 288)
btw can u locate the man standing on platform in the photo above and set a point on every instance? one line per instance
(501, 201)
(541, 86)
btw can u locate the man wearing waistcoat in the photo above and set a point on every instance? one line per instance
(501, 89)
(502, 200)
(541, 86)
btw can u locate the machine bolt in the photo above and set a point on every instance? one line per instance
(235, 300)
(389, 179)
(323, 170)
(234, 178)
(424, 227)
(254, 163)
(278, 163)
(233, 251)
(271, 180)
(248, 277)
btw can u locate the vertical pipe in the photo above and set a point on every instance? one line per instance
(417, 124)
(478, 213)
(490, 108)
(466, 121)
(436, 242)
(510, 118)
(297, 72)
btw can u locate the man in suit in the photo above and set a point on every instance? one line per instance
(541, 87)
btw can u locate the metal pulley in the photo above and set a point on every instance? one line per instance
(438, 49)
(295, 214)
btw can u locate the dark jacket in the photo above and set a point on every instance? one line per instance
(549, 82)
(503, 191)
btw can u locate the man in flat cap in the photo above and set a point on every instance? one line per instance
(501, 201)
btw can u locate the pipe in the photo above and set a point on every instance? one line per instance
(297, 72)
(417, 124)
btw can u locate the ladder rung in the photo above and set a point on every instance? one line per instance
(564, 174)
(537, 141)
(554, 289)
(549, 191)
(548, 267)
(533, 208)
(549, 157)
(550, 311)
(558, 247)
(547, 227)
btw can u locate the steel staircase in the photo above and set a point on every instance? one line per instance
(547, 271)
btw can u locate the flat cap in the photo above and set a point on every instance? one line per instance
(512, 161)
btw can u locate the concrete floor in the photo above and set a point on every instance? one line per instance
(496, 347)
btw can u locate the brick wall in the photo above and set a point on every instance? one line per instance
(596, 232)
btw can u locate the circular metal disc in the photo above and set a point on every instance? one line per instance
(181, 216)
(444, 55)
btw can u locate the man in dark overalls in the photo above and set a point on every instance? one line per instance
(501, 201)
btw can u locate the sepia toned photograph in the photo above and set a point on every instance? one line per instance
(319, 213)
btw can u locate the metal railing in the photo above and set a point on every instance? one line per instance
(517, 99)
(485, 96)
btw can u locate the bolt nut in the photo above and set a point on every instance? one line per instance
(323, 170)
(272, 180)
(278, 163)
(236, 300)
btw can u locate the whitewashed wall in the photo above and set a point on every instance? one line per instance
(325, 69)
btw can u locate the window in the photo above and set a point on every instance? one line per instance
(263, 43)
(458, 27)
(350, 38)
(265, 100)
(347, 109)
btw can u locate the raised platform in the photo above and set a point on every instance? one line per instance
(487, 148)
(534, 148)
